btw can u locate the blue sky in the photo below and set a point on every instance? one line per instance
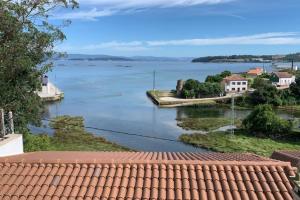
(182, 28)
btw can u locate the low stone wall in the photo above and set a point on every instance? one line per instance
(11, 144)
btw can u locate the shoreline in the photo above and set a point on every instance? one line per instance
(167, 99)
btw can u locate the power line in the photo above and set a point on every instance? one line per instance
(114, 131)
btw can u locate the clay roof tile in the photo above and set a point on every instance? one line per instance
(143, 176)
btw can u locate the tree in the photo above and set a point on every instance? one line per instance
(266, 94)
(195, 89)
(225, 73)
(218, 77)
(295, 88)
(27, 40)
(263, 121)
(259, 82)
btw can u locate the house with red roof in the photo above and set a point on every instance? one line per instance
(255, 71)
(235, 84)
(282, 79)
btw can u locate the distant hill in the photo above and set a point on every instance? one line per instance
(153, 58)
(121, 58)
(249, 58)
(96, 57)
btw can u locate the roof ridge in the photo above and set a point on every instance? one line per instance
(171, 162)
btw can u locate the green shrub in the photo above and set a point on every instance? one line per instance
(263, 121)
(36, 142)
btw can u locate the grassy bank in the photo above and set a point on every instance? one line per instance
(239, 142)
(69, 135)
(203, 124)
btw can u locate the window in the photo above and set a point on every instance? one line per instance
(233, 83)
(244, 88)
(239, 83)
(233, 88)
(244, 83)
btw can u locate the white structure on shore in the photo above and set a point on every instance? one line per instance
(49, 91)
(235, 84)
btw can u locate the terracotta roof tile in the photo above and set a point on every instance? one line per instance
(283, 74)
(140, 175)
(235, 77)
(288, 156)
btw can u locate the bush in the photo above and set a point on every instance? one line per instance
(36, 142)
(263, 121)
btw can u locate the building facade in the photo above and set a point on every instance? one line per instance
(235, 84)
(282, 79)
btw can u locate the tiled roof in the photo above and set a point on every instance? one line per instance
(288, 156)
(283, 74)
(135, 177)
(255, 71)
(235, 77)
(87, 157)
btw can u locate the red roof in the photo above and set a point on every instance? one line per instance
(235, 77)
(283, 74)
(288, 156)
(255, 71)
(55, 175)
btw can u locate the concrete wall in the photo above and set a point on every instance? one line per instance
(12, 144)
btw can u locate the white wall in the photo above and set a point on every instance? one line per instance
(286, 81)
(234, 84)
(12, 145)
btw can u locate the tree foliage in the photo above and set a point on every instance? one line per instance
(259, 82)
(27, 40)
(295, 88)
(195, 89)
(218, 77)
(266, 94)
(263, 121)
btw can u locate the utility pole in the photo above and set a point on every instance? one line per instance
(232, 114)
(154, 81)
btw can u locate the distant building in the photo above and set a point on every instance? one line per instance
(45, 80)
(235, 84)
(255, 71)
(282, 79)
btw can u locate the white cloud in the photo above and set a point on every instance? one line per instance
(275, 38)
(86, 15)
(149, 3)
(103, 8)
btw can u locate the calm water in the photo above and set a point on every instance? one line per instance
(111, 95)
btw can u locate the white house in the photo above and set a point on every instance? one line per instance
(235, 84)
(282, 79)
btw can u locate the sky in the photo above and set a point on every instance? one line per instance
(181, 28)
